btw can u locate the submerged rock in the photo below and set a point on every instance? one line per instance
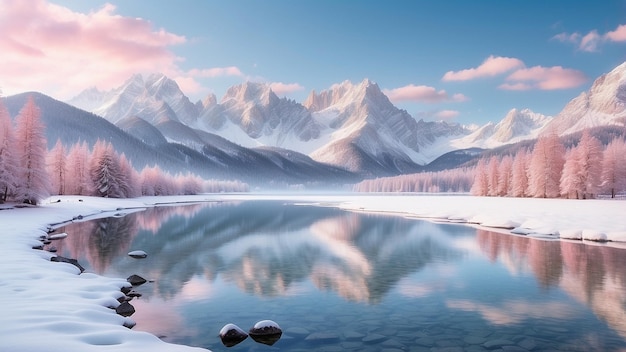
(138, 254)
(231, 335)
(266, 332)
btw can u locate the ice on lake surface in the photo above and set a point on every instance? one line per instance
(342, 281)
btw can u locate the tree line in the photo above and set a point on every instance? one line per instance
(550, 170)
(29, 172)
(547, 170)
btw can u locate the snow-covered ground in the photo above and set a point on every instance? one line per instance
(47, 306)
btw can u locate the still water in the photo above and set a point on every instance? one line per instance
(342, 281)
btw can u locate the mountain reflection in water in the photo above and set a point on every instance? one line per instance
(262, 248)
(272, 253)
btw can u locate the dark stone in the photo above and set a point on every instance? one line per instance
(126, 289)
(266, 332)
(38, 246)
(133, 294)
(129, 324)
(136, 280)
(74, 262)
(125, 309)
(232, 335)
(52, 249)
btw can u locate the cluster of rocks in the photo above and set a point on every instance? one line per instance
(124, 309)
(266, 332)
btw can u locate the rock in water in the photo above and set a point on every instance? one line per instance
(138, 254)
(231, 335)
(266, 332)
(125, 309)
(136, 280)
(57, 236)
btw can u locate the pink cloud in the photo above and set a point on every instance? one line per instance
(544, 78)
(422, 94)
(216, 72)
(492, 66)
(63, 51)
(618, 35)
(446, 114)
(591, 41)
(281, 88)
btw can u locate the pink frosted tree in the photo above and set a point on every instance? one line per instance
(480, 187)
(505, 175)
(57, 168)
(34, 181)
(78, 181)
(105, 172)
(129, 178)
(8, 157)
(519, 174)
(492, 176)
(590, 165)
(614, 167)
(571, 184)
(545, 167)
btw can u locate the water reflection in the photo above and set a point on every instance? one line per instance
(277, 255)
(262, 248)
(592, 274)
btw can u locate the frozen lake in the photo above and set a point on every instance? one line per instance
(342, 281)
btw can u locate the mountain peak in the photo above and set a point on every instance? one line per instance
(603, 104)
(250, 91)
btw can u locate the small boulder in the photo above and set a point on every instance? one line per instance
(125, 309)
(57, 236)
(136, 280)
(266, 332)
(138, 254)
(231, 335)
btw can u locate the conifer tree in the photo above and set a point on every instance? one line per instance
(590, 165)
(545, 167)
(33, 182)
(8, 157)
(519, 174)
(78, 181)
(614, 167)
(57, 168)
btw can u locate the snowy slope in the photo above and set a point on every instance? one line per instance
(603, 105)
(517, 125)
(352, 125)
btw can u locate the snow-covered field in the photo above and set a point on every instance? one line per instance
(47, 306)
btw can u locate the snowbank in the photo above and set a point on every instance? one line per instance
(47, 306)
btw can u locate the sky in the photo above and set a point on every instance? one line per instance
(468, 62)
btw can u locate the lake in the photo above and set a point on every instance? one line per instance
(344, 281)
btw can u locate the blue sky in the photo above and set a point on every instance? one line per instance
(463, 61)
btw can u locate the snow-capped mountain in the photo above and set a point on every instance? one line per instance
(368, 133)
(352, 126)
(264, 118)
(603, 105)
(145, 145)
(516, 126)
(154, 99)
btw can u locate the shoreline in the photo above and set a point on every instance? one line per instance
(30, 281)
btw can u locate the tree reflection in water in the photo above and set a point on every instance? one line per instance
(267, 251)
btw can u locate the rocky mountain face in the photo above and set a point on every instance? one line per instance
(351, 126)
(603, 105)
